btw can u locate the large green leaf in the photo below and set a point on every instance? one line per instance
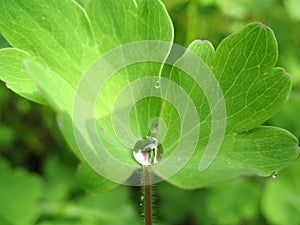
(59, 92)
(253, 91)
(65, 40)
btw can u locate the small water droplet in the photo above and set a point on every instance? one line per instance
(43, 17)
(142, 197)
(147, 151)
(274, 175)
(153, 126)
(157, 84)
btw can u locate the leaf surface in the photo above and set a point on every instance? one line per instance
(253, 91)
(64, 40)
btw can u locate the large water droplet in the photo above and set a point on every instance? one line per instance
(148, 151)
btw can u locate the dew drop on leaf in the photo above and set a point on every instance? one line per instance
(274, 175)
(157, 84)
(147, 151)
(43, 17)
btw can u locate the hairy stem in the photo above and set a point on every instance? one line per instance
(147, 196)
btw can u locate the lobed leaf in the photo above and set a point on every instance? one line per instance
(59, 40)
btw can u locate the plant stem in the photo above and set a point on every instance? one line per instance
(147, 196)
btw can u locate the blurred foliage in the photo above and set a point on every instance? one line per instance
(215, 19)
(38, 182)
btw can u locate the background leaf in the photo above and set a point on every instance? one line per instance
(20, 193)
(280, 199)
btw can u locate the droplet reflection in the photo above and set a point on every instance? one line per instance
(157, 84)
(274, 175)
(148, 151)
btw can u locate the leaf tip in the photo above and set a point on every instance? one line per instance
(262, 25)
(286, 73)
(203, 41)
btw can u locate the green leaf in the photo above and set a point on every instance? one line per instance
(120, 22)
(260, 151)
(20, 193)
(59, 179)
(281, 197)
(56, 32)
(243, 64)
(253, 91)
(114, 208)
(13, 74)
(53, 87)
(224, 209)
(92, 181)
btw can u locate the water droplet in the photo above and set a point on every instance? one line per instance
(157, 84)
(43, 17)
(153, 126)
(274, 175)
(147, 151)
(142, 197)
